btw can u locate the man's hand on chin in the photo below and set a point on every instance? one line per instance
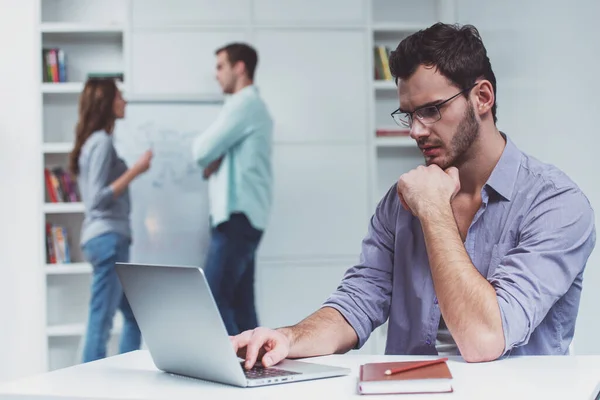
(425, 188)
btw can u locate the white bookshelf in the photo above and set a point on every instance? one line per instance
(92, 35)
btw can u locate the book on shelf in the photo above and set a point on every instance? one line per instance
(392, 132)
(61, 186)
(57, 244)
(54, 65)
(381, 63)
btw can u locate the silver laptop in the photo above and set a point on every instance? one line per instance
(184, 332)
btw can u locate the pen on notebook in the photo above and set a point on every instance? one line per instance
(415, 366)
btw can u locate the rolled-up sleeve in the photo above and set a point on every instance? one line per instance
(363, 297)
(556, 239)
(100, 161)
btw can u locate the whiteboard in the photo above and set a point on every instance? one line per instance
(169, 203)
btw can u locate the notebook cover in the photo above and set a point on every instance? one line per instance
(375, 372)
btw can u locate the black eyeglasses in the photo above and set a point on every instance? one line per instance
(427, 115)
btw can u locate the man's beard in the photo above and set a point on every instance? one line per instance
(229, 87)
(465, 135)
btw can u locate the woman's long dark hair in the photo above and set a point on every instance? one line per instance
(95, 113)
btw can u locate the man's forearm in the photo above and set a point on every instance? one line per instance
(324, 332)
(467, 300)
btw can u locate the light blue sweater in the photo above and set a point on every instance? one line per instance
(99, 166)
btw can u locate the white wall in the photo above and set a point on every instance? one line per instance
(546, 58)
(22, 340)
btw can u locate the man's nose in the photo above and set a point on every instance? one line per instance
(418, 129)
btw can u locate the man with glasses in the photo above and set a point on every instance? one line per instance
(480, 252)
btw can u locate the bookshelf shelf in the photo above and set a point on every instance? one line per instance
(393, 27)
(65, 330)
(62, 87)
(384, 85)
(57, 148)
(74, 27)
(63, 208)
(68, 269)
(77, 329)
(69, 87)
(395, 141)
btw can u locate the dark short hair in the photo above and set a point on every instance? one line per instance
(241, 52)
(457, 52)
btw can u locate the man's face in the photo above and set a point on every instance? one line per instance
(225, 74)
(447, 141)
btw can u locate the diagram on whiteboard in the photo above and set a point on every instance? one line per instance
(169, 202)
(172, 163)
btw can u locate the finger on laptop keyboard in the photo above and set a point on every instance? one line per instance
(274, 356)
(251, 353)
(239, 343)
(255, 344)
(277, 348)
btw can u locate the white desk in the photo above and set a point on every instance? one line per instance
(134, 376)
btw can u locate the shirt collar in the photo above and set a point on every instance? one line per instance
(250, 89)
(504, 176)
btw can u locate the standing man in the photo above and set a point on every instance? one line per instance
(235, 152)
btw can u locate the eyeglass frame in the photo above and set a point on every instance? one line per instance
(436, 106)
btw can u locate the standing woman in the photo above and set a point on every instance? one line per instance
(103, 179)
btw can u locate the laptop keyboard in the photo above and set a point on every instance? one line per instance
(259, 372)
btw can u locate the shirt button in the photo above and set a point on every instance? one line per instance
(435, 301)
(428, 342)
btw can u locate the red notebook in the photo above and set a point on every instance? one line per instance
(435, 378)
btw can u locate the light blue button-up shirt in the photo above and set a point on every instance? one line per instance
(243, 133)
(531, 239)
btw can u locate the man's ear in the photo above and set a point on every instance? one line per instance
(239, 68)
(484, 97)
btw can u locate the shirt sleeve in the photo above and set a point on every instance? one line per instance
(231, 126)
(364, 294)
(556, 239)
(100, 162)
